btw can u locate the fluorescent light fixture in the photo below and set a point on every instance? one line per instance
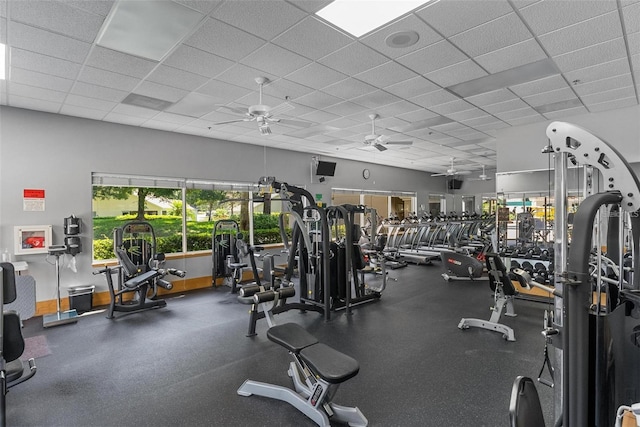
(358, 17)
(3, 50)
(148, 29)
(514, 76)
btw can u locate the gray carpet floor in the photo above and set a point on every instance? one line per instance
(182, 364)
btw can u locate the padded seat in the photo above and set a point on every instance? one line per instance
(291, 336)
(238, 265)
(329, 364)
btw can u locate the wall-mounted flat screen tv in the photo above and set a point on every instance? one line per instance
(455, 184)
(326, 168)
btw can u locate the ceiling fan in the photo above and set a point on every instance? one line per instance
(379, 141)
(263, 114)
(452, 171)
(482, 177)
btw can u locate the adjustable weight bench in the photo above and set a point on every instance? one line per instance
(317, 371)
(504, 293)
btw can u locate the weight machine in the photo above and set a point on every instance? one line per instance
(597, 369)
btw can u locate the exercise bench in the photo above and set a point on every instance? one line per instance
(317, 371)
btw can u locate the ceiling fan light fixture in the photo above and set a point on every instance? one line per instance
(264, 129)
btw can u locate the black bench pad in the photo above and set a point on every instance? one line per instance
(138, 280)
(291, 336)
(329, 364)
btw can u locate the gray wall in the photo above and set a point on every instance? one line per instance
(58, 154)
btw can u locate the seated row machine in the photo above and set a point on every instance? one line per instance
(317, 371)
(504, 293)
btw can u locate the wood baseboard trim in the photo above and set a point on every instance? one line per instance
(103, 298)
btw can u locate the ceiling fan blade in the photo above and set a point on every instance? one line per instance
(237, 110)
(439, 174)
(296, 123)
(399, 143)
(462, 173)
(233, 121)
(380, 147)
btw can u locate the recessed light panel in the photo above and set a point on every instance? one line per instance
(358, 17)
(148, 29)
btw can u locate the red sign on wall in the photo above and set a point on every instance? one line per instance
(33, 194)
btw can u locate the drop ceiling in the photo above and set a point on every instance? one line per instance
(525, 61)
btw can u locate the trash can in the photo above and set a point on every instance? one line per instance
(81, 298)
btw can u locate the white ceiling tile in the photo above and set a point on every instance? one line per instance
(173, 118)
(451, 107)
(409, 88)
(376, 99)
(631, 14)
(451, 17)
(221, 93)
(88, 113)
(433, 57)
(348, 109)
(550, 97)
(418, 115)
(353, 59)
(520, 121)
(318, 100)
(538, 86)
(599, 71)
(194, 105)
(493, 35)
(163, 92)
(436, 97)
(349, 88)
(604, 85)
(478, 121)
(35, 92)
(33, 78)
(244, 76)
(386, 74)
(319, 116)
(160, 125)
(134, 111)
(634, 43)
(275, 60)
(512, 56)
(596, 30)
(457, 73)
(611, 105)
(124, 119)
(47, 43)
(546, 16)
(492, 97)
(34, 104)
(312, 38)
(316, 76)
(266, 19)
(3, 9)
(57, 17)
(397, 108)
(516, 114)
(45, 64)
(467, 114)
(224, 40)
(98, 92)
(176, 78)
(499, 107)
(591, 55)
(98, 7)
(197, 61)
(105, 78)
(560, 115)
(118, 62)
(283, 88)
(426, 34)
(87, 102)
(610, 95)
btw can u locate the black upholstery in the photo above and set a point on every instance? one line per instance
(498, 274)
(524, 408)
(9, 282)
(291, 336)
(329, 364)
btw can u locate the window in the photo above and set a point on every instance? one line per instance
(182, 212)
